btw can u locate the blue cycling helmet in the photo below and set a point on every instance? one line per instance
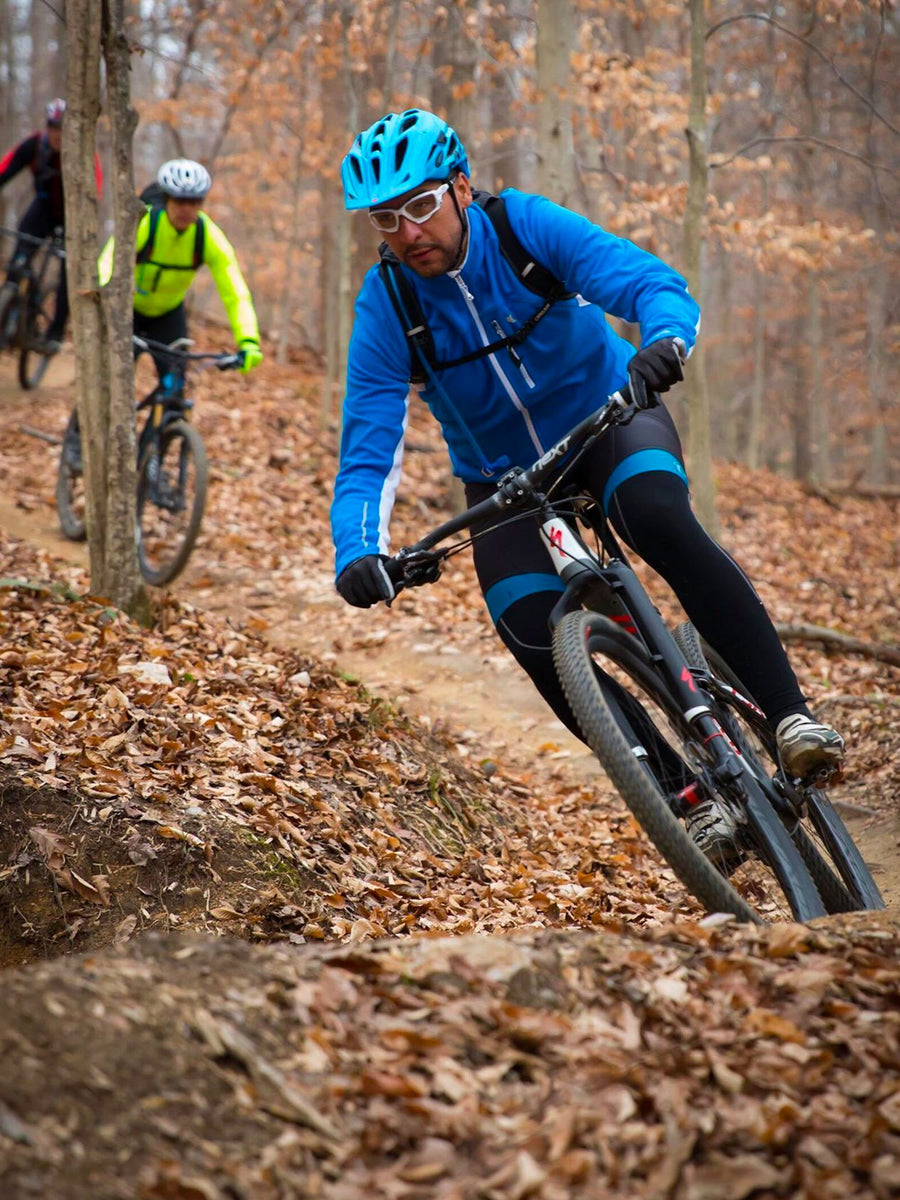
(397, 153)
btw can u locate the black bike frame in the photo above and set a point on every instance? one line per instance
(635, 633)
(30, 278)
(54, 245)
(169, 403)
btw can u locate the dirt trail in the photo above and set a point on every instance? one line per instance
(483, 699)
(479, 696)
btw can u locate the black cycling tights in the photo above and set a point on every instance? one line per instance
(651, 512)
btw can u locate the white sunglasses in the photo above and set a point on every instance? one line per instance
(418, 210)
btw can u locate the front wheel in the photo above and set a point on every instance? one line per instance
(33, 361)
(659, 765)
(171, 496)
(70, 494)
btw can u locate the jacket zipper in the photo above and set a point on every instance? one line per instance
(492, 359)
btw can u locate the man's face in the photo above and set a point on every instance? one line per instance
(431, 248)
(54, 136)
(182, 213)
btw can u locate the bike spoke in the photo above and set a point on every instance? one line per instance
(171, 496)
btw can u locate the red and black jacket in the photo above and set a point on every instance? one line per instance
(36, 153)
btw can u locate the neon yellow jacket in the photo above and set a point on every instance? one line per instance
(161, 283)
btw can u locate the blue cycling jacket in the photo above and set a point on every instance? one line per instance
(505, 409)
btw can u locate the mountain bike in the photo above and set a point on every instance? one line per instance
(172, 473)
(667, 719)
(27, 308)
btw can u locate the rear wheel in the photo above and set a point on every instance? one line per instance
(33, 362)
(840, 873)
(70, 494)
(659, 766)
(171, 496)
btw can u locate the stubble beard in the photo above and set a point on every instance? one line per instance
(439, 262)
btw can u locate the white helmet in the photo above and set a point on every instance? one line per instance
(184, 179)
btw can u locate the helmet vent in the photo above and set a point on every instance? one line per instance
(400, 153)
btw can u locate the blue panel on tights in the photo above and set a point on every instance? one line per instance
(499, 597)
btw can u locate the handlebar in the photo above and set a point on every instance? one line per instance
(53, 241)
(177, 352)
(421, 562)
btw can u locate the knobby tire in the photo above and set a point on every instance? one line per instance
(180, 445)
(70, 498)
(32, 364)
(601, 728)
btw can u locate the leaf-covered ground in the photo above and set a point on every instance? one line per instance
(701, 1064)
(270, 765)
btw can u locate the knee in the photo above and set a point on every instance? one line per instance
(525, 626)
(652, 512)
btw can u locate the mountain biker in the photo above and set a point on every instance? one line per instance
(40, 152)
(174, 239)
(506, 408)
(166, 268)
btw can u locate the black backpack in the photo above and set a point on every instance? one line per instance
(535, 277)
(155, 199)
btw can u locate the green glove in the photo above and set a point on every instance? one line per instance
(252, 356)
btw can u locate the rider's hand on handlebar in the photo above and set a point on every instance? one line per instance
(655, 368)
(251, 356)
(366, 582)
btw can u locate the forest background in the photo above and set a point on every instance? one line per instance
(604, 1042)
(587, 101)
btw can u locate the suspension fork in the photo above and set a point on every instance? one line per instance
(631, 609)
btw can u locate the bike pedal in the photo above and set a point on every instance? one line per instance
(824, 777)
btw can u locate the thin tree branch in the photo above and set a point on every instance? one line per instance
(723, 162)
(881, 651)
(811, 46)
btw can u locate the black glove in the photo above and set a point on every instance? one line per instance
(366, 582)
(655, 368)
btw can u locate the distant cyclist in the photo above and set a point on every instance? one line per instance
(174, 239)
(40, 153)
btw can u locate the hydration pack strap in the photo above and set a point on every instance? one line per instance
(144, 255)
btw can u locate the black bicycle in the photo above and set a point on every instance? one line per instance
(668, 720)
(27, 303)
(172, 474)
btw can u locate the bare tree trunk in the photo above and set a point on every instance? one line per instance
(47, 54)
(755, 450)
(811, 420)
(878, 314)
(556, 150)
(101, 323)
(877, 308)
(694, 218)
(343, 259)
(454, 95)
(819, 399)
(329, 287)
(287, 291)
(754, 447)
